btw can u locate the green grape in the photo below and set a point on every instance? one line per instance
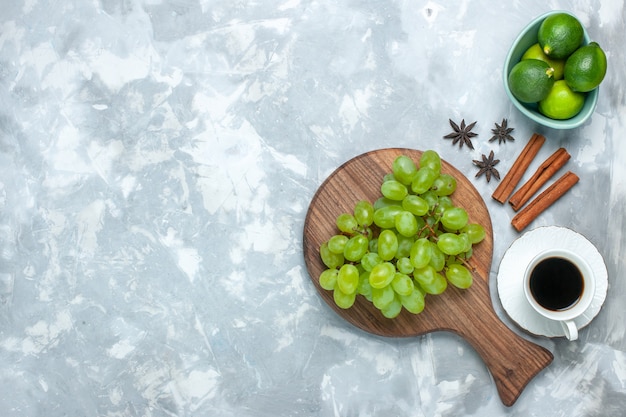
(459, 276)
(445, 184)
(389, 177)
(404, 245)
(342, 299)
(414, 302)
(404, 265)
(418, 287)
(373, 245)
(450, 243)
(328, 278)
(431, 281)
(406, 223)
(437, 211)
(348, 279)
(431, 198)
(337, 243)
(383, 297)
(364, 213)
(475, 232)
(347, 223)
(394, 190)
(364, 288)
(437, 257)
(330, 259)
(467, 254)
(393, 309)
(415, 204)
(369, 260)
(384, 202)
(431, 160)
(382, 274)
(454, 218)
(453, 259)
(355, 248)
(467, 244)
(385, 217)
(404, 169)
(424, 179)
(402, 284)
(387, 245)
(443, 203)
(420, 253)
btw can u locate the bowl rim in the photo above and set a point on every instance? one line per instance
(534, 115)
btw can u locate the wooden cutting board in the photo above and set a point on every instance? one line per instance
(512, 360)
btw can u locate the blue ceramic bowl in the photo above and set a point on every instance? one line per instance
(525, 40)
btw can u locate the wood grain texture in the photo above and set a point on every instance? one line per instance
(512, 361)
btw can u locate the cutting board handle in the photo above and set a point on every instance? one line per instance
(512, 360)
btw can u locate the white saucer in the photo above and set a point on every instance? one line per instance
(521, 252)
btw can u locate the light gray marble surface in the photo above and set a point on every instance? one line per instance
(157, 159)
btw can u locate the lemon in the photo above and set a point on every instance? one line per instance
(560, 35)
(535, 52)
(531, 80)
(562, 103)
(585, 68)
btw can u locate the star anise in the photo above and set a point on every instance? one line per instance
(462, 134)
(502, 132)
(487, 167)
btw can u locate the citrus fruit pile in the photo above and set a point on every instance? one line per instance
(558, 71)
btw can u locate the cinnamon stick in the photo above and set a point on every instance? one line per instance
(545, 171)
(544, 200)
(519, 167)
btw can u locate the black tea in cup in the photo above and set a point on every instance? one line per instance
(556, 283)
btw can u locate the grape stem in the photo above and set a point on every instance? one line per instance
(467, 264)
(428, 227)
(365, 231)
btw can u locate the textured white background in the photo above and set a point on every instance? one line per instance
(157, 159)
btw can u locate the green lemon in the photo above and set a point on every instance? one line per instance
(535, 52)
(585, 68)
(560, 35)
(531, 80)
(562, 103)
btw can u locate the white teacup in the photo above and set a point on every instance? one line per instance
(560, 286)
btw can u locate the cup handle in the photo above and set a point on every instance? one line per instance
(571, 331)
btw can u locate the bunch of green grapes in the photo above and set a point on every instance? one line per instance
(409, 243)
